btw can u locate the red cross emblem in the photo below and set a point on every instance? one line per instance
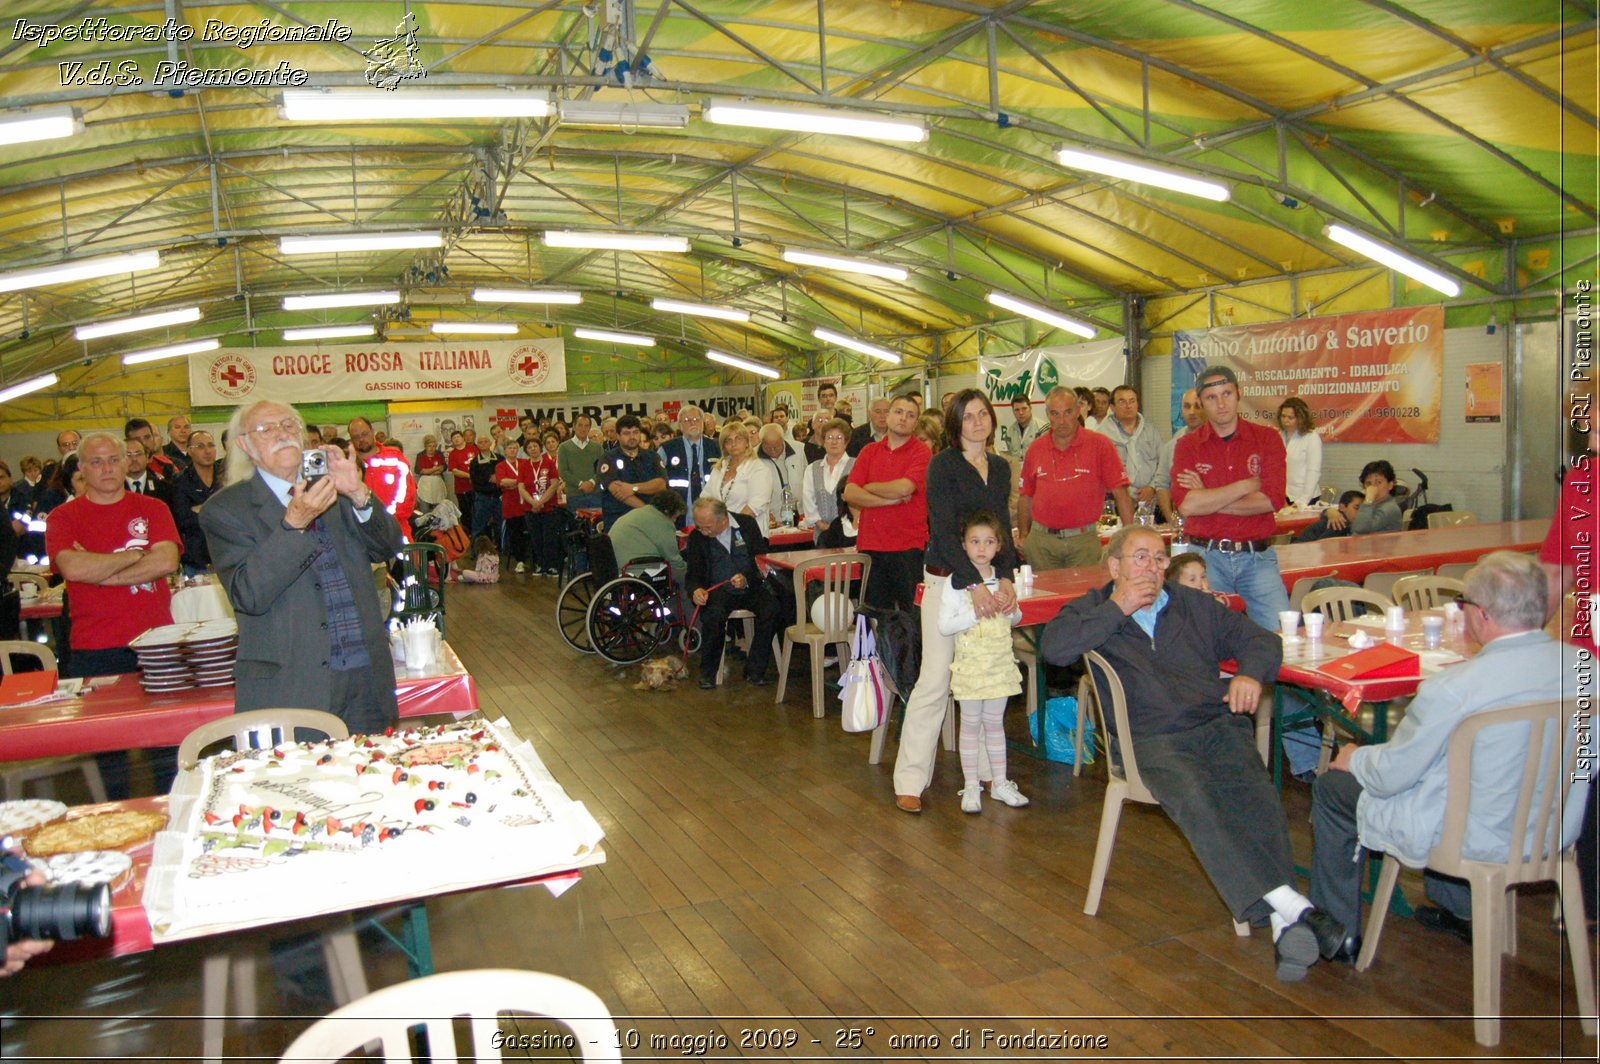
(232, 377)
(529, 367)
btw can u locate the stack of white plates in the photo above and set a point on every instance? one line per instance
(210, 649)
(176, 657)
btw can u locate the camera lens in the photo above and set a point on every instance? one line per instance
(68, 912)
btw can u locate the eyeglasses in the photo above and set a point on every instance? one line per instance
(288, 424)
(1146, 557)
(1463, 601)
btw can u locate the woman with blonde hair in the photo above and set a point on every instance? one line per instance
(740, 478)
(1303, 485)
(930, 430)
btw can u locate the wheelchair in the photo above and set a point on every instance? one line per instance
(622, 613)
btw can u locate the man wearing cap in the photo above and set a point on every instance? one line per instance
(1227, 483)
(1065, 477)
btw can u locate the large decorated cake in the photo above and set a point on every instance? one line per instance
(305, 828)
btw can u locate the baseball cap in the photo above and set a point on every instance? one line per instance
(1218, 374)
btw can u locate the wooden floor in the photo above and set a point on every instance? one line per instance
(759, 879)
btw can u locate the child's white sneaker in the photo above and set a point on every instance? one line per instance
(1006, 791)
(972, 799)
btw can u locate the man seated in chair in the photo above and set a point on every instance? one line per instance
(723, 577)
(1392, 796)
(1194, 739)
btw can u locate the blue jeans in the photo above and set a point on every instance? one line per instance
(1254, 577)
(486, 517)
(591, 501)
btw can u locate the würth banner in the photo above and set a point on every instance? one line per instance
(373, 370)
(1369, 377)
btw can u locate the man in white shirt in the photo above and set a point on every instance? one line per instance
(1136, 442)
(788, 466)
(1025, 431)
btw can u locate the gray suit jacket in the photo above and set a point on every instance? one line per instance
(271, 579)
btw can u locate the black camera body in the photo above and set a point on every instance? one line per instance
(313, 466)
(66, 912)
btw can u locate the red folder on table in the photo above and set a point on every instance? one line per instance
(26, 686)
(1382, 662)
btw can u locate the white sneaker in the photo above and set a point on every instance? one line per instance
(521, 568)
(972, 799)
(1006, 791)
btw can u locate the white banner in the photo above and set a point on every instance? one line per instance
(507, 409)
(376, 370)
(1032, 373)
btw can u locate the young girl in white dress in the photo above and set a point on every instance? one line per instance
(983, 676)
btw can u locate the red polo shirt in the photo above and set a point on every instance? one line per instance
(1252, 451)
(1571, 542)
(903, 526)
(460, 459)
(1068, 484)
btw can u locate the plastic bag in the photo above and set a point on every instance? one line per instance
(1061, 724)
(863, 689)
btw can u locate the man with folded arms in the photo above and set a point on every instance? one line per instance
(1194, 737)
(888, 484)
(1066, 474)
(1228, 480)
(1392, 796)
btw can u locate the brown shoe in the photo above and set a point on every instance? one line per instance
(908, 803)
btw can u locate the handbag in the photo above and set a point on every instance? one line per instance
(864, 689)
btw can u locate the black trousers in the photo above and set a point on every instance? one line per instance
(113, 661)
(356, 699)
(758, 599)
(892, 584)
(545, 532)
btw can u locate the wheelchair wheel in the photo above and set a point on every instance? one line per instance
(688, 640)
(627, 621)
(572, 612)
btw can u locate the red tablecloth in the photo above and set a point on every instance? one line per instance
(41, 611)
(791, 560)
(1305, 663)
(123, 716)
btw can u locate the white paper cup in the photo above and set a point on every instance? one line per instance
(1432, 631)
(1314, 625)
(1395, 619)
(1289, 622)
(421, 644)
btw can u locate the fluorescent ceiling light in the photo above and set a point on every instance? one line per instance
(623, 114)
(328, 332)
(341, 299)
(829, 336)
(47, 123)
(744, 364)
(474, 328)
(559, 238)
(356, 105)
(699, 310)
(834, 262)
(868, 124)
(1129, 170)
(310, 245)
(15, 390)
(138, 324)
(605, 337)
(1391, 258)
(525, 295)
(1037, 313)
(79, 270)
(156, 354)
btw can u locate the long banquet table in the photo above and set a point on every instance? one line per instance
(124, 716)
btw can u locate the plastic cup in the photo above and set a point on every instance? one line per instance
(1432, 631)
(1314, 622)
(421, 644)
(1289, 621)
(1395, 619)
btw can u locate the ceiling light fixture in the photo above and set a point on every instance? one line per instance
(880, 353)
(1038, 313)
(329, 332)
(156, 354)
(13, 391)
(47, 123)
(744, 364)
(699, 310)
(1145, 174)
(1388, 256)
(605, 337)
(359, 105)
(869, 124)
(566, 238)
(834, 262)
(138, 324)
(79, 270)
(524, 295)
(311, 245)
(474, 328)
(623, 114)
(341, 299)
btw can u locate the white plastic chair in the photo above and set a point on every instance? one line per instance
(838, 616)
(1494, 912)
(15, 777)
(203, 602)
(255, 730)
(388, 1016)
(1122, 783)
(1383, 583)
(1426, 592)
(1335, 603)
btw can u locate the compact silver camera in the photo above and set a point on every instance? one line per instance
(313, 466)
